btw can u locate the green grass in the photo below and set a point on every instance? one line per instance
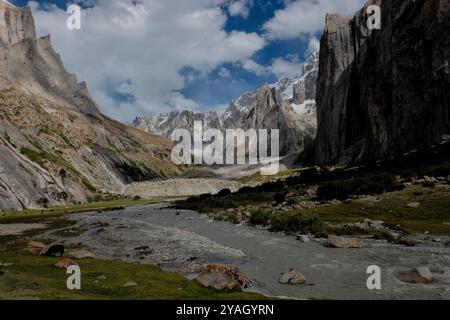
(432, 214)
(258, 178)
(14, 216)
(33, 277)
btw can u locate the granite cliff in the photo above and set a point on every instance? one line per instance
(383, 93)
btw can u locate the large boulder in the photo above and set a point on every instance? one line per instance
(223, 277)
(420, 275)
(37, 248)
(341, 242)
(292, 277)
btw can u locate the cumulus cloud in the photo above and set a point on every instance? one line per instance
(302, 17)
(131, 52)
(240, 8)
(313, 45)
(286, 67)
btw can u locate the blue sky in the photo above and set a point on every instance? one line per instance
(141, 57)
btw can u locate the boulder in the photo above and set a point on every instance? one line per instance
(223, 277)
(292, 277)
(130, 284)
(81, 254)
(420, 275)
(65, 263)
(412, 205)
(407, 241)
(37, 248)
(341, 242)
(303, 238)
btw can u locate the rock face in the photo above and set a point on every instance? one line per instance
(16, 24)
(56, 148)
(287, 105)
(305, 88)
(382, 93)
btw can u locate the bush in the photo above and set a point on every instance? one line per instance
(363, 185)
(297, 222)
(259, 217)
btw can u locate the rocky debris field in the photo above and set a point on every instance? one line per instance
(180, 187)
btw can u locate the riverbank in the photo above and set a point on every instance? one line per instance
(182, 241)
(25, 276)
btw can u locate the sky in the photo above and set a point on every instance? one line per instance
(143, 57)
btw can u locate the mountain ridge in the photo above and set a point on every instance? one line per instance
(287, 105)
(56, 147)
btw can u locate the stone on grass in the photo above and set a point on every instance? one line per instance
(65, 263)
(130, 284)
(36, 248)
(81, 254)
(223, 277)
(413, 205)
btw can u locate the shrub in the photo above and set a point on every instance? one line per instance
(259, 217)
(363, 185)
(297, 222)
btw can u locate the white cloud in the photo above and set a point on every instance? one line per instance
(240, 8)
(286, 67)
(306, 17)
(138, 48)
(252, 66)
(313, 45)
(224, 73)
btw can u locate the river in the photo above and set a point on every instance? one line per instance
(182, 240)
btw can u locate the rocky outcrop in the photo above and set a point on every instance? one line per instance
(56, 148)
(383, 93)
(269, 112)
(16, 24)
(305, 88)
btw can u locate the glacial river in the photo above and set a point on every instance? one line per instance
(182, 240)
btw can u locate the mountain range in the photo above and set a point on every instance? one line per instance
(288, 105)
